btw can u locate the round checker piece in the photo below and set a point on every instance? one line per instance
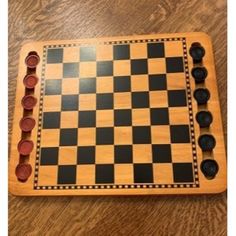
(199, 74)
(204, 118)
(23, 171)
(209, 168)
(27, 123)
(206, 142)
(30, 81)
(28, 102)
(25, 147)
(202, 95)
(32, 60)
(197, 52)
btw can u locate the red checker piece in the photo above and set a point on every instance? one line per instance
(28, 102)
(30, 81)
(25, 147)
(23, 171)
(27, 123)
(32, 60)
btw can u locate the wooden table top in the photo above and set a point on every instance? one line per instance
(151, 215)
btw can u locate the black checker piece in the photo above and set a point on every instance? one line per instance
(122, 84)
(51, 120)
(143, 173)
(157, 82)
(174, 64)
(141, 135)
(179, 134)
(68, 137)
(69, 102)
(104, 174)
(70, 70)
(159, 116)
(104, 101)
(183, 172)
(121, 52)
(104, 136)
(52, 87)
(177, 98)
(67, 174)
(87, 85)
(49, 156)
(139, 66)
(87, 119)
(140, 100)
(104, 68)
(55, 55)
(86, 155)
(156, 50)
(123, 117)
(161, 153)
(123, 154)
(87, 54)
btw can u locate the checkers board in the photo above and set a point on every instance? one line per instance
(118, 116)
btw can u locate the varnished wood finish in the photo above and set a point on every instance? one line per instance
(166, 17)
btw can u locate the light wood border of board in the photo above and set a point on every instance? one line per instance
(206, 186)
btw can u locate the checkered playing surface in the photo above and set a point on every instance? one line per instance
(115, 114)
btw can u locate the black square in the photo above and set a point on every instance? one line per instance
(104, 101)
(140, 100)
(179, 134)
(55, 55)
(123, 154)
(49, 156)
(70, 70)
(52, 87)
(68, 137)
(143, 173)
(156, 50)
(159, 116)
(87, 119)
(123, 117)
(87, 54)
(157, 82)
(122, 84)
(161, 153)
(51, 120)
(87, 85)
(139, 66)
(69, 102)
(141, 134)
(104, 68)
(177, 98)
(104, 135)
(66, 174)
(104, 173)
(86, 155)
(174, 64)
(183, 172)
(121, 52)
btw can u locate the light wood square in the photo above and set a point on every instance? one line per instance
(121, 67)
(139, 83)
(122, 100)
(86, 136)
(67, 156)
(71, 54)
(176, 81)
(52, 103)
(142, 153)
(87, 69)
(85, 174)
(104, 154)
(178, 155)
(158, 99)
(104, 52)
(123, 135)
(124, 174)
(70, 86)
(69, 119)
(160, 134)
(141, 116)
(138, 50)
(87, 102)
(157, 66)
(54, 71)
(178, 115)
(104, 84)
(163, 173)
(47, 175)
(104, 118)
(173, 49)
(50, 137)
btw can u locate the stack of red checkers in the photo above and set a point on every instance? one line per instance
(32, 61)
(27, 123)
(28, 102)
(23, 171)
(30, 81)
(25, 147)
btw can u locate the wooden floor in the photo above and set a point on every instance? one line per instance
(70, 19)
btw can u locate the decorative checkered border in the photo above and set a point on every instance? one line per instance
(118, 186)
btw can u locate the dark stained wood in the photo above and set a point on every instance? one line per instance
(71, 19)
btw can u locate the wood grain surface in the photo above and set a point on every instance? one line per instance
(70, 19)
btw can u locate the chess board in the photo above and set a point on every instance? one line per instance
(117, 116)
